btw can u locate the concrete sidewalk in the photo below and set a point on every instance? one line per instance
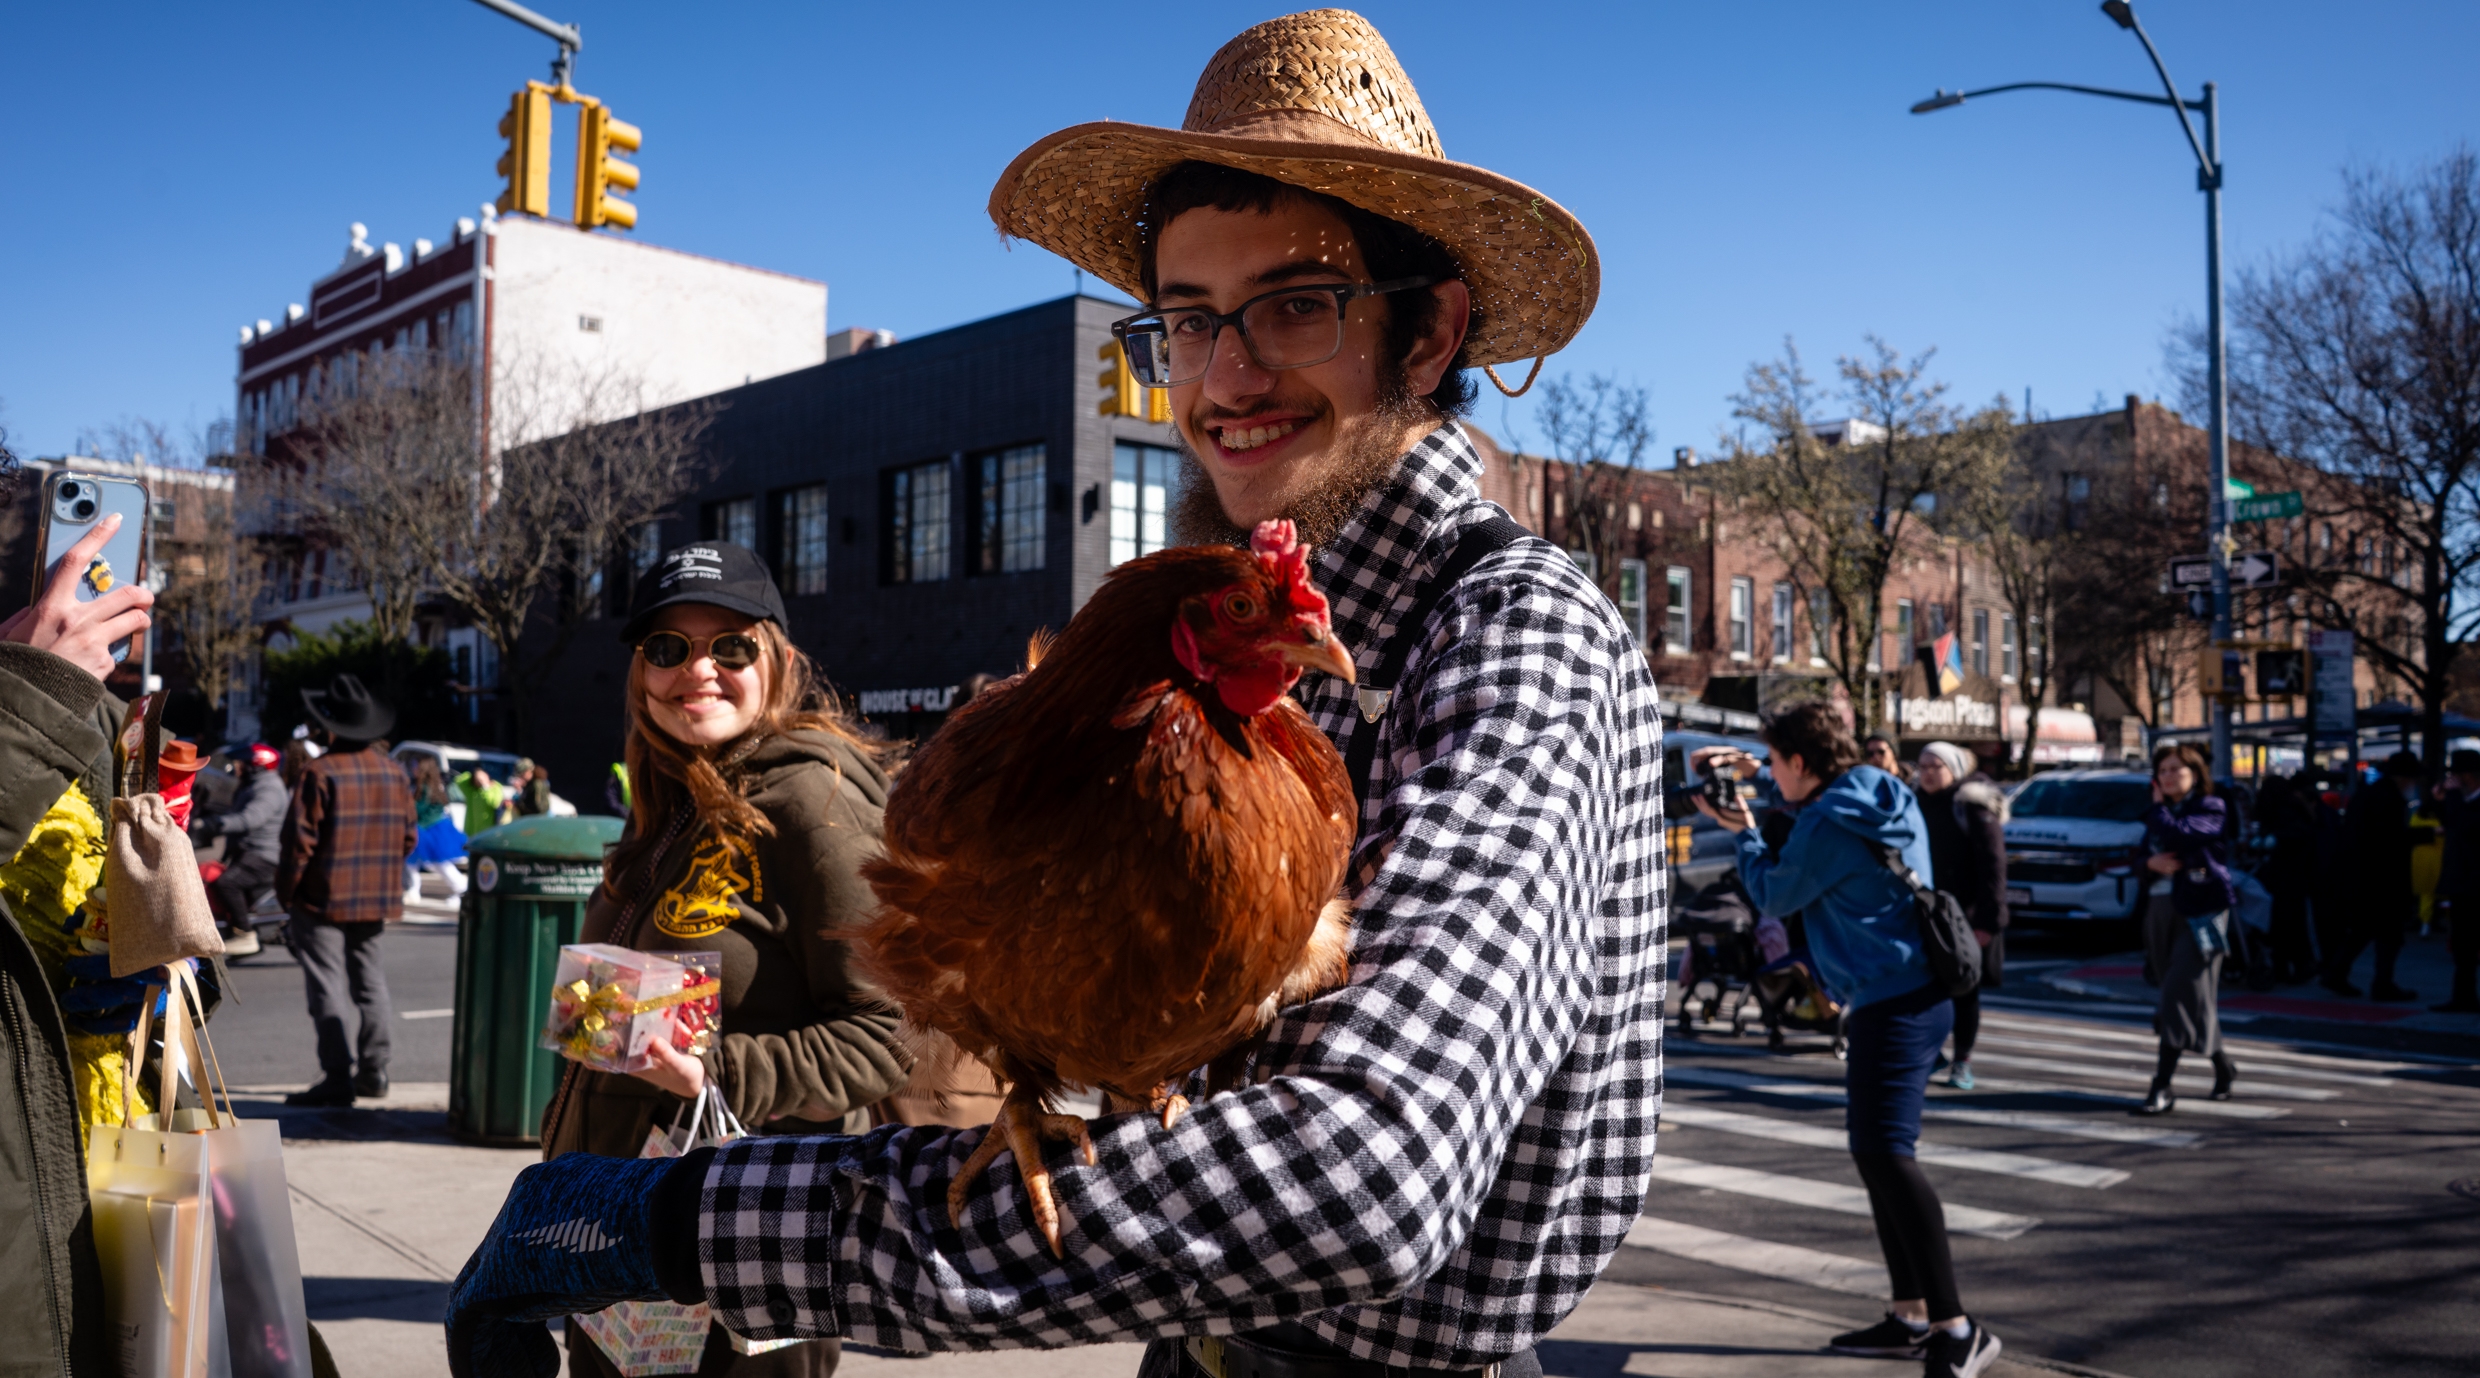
(387, 1208)
(2425, 966)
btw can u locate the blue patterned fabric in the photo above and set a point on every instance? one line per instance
(575, 1235)
(1435, 1161)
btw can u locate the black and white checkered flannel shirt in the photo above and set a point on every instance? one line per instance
(1436, 1160)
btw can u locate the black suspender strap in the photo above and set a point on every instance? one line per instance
(1377, 690)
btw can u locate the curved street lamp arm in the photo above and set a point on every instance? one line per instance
(1944, 99)
(2204, 160)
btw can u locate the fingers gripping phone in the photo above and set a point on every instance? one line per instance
(72, 504)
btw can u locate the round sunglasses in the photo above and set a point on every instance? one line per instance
(671, 650)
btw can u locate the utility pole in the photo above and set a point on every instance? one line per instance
(570, 37)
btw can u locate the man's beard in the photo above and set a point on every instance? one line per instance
(1365, 457)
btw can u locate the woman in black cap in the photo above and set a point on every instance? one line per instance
(755, 804)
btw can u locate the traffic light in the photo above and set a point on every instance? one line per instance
(2281, 674)
(1122, 394)
(599, 173)
(527, 163)
(2221, 673)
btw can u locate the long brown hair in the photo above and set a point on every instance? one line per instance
(2196, 766)
(666, 775)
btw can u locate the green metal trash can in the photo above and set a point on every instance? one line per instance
(527, 897)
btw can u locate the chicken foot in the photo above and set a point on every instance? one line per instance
(1022, 1124)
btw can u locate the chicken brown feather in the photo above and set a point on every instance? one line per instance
(1113, 869)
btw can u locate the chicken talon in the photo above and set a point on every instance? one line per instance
(1070, 1129)
(1169, 1104)
(994, 1140)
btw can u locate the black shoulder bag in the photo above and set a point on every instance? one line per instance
(1945, 934)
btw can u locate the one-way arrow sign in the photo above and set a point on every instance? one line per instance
(2256, 569)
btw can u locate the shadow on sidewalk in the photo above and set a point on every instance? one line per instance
(1591, 1359)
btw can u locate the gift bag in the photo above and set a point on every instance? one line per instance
(202, 1277)
(150, 872)
(650, 1337)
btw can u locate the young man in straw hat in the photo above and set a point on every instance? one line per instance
(1435, 1161)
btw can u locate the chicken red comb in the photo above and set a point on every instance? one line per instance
(1286, 561)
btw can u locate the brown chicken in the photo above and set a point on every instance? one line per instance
(1113, 869)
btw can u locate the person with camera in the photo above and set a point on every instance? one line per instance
(1865, 939)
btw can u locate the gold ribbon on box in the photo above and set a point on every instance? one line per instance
(599, 1009)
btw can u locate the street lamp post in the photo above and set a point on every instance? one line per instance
(2208, 152)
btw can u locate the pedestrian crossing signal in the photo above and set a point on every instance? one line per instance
(1122, 394)
(527, 163)
(599, 173)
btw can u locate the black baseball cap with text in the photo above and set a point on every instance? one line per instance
(716, 572)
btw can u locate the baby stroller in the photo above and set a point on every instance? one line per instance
(1718, 971)
(1789, 996)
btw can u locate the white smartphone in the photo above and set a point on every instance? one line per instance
(72, 504)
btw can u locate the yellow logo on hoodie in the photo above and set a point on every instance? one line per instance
(721, 868)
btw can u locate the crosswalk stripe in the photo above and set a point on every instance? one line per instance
(2248, 1086)
(1947, 1155)
(1830, 1196)
(1790, 1262)
(2147, 1055)
(2225, 1109)
(2409, 1062)
(2006, 1119)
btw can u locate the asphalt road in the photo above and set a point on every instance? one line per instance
(2307, 1228)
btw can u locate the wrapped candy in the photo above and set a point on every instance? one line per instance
(609, 1005)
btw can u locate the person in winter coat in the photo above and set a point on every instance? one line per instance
(53, 658)
(1966, 818)
(1865, 939)
(2382, 901)
(256, 823)
(2186, 918)
(2287, 813)
(755, 805)
(2458, 881)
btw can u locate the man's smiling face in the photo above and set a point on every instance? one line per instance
(1271, 438)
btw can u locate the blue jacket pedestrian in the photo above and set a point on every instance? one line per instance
(1861, 929)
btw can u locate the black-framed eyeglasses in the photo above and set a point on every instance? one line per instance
(1290, 327)
(669, 650)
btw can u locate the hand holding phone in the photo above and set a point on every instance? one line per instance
(82, 632)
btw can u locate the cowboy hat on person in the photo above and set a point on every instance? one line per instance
(1317, 101)
(348, 711)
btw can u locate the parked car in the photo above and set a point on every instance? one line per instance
(2075, 847)
(1700, 849)
(454, 760)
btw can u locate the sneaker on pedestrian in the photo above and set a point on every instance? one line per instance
(1891, 1338)
(327, 1095)
(1967, 1357)
(241, 943)
(1959, 1076)
(2392, 994)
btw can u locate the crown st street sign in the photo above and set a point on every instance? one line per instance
(2254, 569)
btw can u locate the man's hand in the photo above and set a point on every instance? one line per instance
(575, 1236)
(82, 633)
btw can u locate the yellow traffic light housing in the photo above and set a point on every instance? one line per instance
(1122, 394)
(599, 173)
(527, 163)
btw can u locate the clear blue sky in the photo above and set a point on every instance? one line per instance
(1748, 169)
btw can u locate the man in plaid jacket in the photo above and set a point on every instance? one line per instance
(1437, 1159)
(340, 874)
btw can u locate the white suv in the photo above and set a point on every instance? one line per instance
(2075, 847)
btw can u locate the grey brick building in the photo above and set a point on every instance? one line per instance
(926, 505)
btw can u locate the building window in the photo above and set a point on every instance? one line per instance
(1677, 631)
(2006, 646)
(1008, 504)
(1906, 632)
(1937, 620)
(1980, 642)
(1632, 597)
(1820, 624)
(801, 539)
(917, 523)
(734, 520)
(1583, 559)
(1743, 612)
(1145, 485)
(1783, 603)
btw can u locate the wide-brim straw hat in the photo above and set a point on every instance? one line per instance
(1317, 100)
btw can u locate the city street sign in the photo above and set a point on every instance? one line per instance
(2270, 507)
(2254, 569)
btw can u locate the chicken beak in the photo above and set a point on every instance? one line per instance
(1324, 653)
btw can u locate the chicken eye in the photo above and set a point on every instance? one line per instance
(1239, 607)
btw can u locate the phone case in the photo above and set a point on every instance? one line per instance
(72, 504)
